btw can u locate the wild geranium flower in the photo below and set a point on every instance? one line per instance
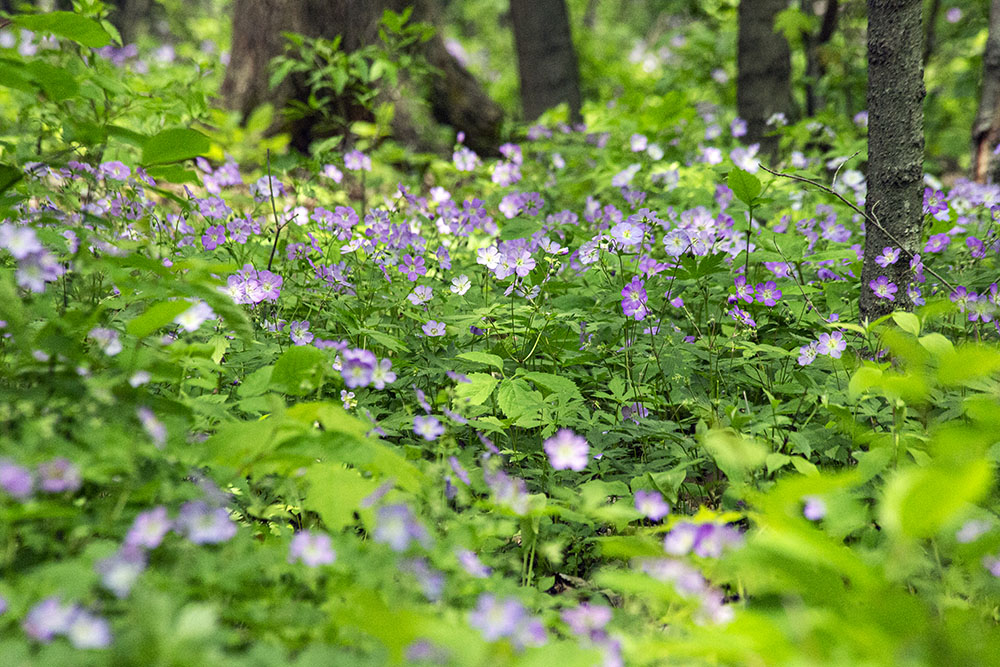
(357, 367)
(114, 170)
(937, 243)
(676, 242)
(915, 295)
(744, 290)
(432, 328)
(638, 143)
(19, 240)
(214, 208)
(15, 480)
(625, 176)
(107, 339)
(587, 620)
(807, 353)
(522, 262)
(58, 475)
(470, 563)
(413, 267)
(813, 508)
(313, 549)
(427, 427)
(192, 318)
(88, 631)
(496, 618)
(972, 530)
(460, 285)
(768, 293)
(382, 374)
(155, 429)
(883, 289)
(831, 344)
(627, 234)
(706, 540)
(355, 160)
(396, 526)
(465, 159)
(120, 571)
(651, 504)
(960, 297)
(299, 332)
(738, 127)
(980, 308)
(205, 525)
(266, 187)
(214, 237)
(333, 173)
(48, 619)
(888, 256)
(634, 299)
(567, 450)
(149, 528)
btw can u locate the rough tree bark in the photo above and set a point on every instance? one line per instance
(895, 148)
(457, 99)
(546, 60)
(763, 60)
(986, 127)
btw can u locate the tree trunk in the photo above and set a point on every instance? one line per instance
(457, 98)
(546, 60)
(986, 127)
(763, 83)
(815, 70)
(130, 18)
(895, 148)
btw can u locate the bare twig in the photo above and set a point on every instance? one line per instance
(868, 218)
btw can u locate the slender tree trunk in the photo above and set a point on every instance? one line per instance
(930, 30)
(986, 127)
(546, 59)
(763, 84)
(815, 69)
(895, 148)
(456, 99)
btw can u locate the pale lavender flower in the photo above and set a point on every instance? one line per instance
(807, 354)
(20, 241)
(937, 243)
(972, 530)
(888, 256)
(192, 318)
(420, 295)
(651, 504)
(357, 367)
(432, 328)
(587, 620)
(156, 430)
(114, 170)
(16, 480)
(465, 159)
(205, 525)
(427, 427)
(460, 285)
(831, 344)
(299, 332)
(567, 450)
(382, 374)
(149, 528)
(355, 160)
(120, 571)
(638, 143)
(313, 549)
(396, 526)
(48, 619)
(59, 475)
(470, 563)
(88, 631)
(265, 187)
(333, 173)
(813, 508)
(106, 339)
(497, 618)
(883, 289)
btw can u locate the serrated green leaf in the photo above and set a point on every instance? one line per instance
(483, 358)
(744, 185)
(557, 384)
(299, 371)
(477, 390)
(74, 27)
(335, 493)
(156, 316)
(516, 397)
(174, 145)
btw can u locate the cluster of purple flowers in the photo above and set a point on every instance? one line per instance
(51, 618)
(706, 540)
(59, 475)
(396, 526)
(360, 368)
(766, 293)
(250, 286)
(36, 266)
(503, 618)
(979, 307)
(828, 345)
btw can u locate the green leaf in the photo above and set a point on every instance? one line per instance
(518, 229)
(908, 322)
(299, 371)
(477, 390)
(335, 493)
(9, 176)
(919, 502)
(57, 83)
(744, 185)
(74, 27)
(733, 453)
(174, 145)
(863, 379)
(969, 362)
(557, 384)
(515, 397)
(256, 383)
(482, 358)
(156, 316)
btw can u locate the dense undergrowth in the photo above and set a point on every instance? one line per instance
(603, 400)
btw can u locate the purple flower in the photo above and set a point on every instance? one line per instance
(313, 549)
(960, 297)
(567, 450)
(634, 299)
(676, 242)
(889, 256)
(498, 618)
(155, 429)
(47, 619)
(114, 170)
(432, 328)
(638, 143)
(59, 475)
(396, 526)
(120, 571)
(20, 241)
(651, 505)
(331, 172)
(706, 540)
(149, 528)
(464, 159)
(214, 237)
(627, 234)
(382, 374)
(470, 563)
(814, 508)
(768, 293)
(972, 530)
(205, 525)
(587, 620)
(87, 631)
(937, 243)
(420, 295)
(413, 267)
(192, 318)
(265, 187)
(427, 427)
(299, 332)
(738, 127)
(214, 208)
(883, 288)
(522, 263)
(355, 160)
(16, 480)
(915, 295)
(807, 353)
(744, 291)
(357, 367)
(831, 344)
(934, 201)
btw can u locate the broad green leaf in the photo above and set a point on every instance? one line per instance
(776, 461)
(477, 390)
(335, 493)
(57, 83)
(744, 185)
(516, 397)
(483, 358)
(9, 176)
(919, 502)
(969, 362)
(557, 384)
(936, 344)
(733, 453)
(174, 145)
(74, 27)
(299, 371)
(908, 322)
(863, 379)
(256, 383)
(156, 316)
(518, 228)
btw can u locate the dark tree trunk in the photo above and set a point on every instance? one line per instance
(457, 98)
(986, 127)
(763, 84)
(895, 148)
(815, 69)
(930, 30)
(131, 17)
(546, 59)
